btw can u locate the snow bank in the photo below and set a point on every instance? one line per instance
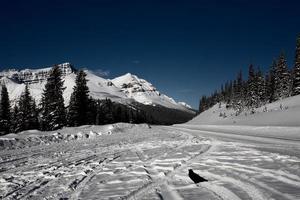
(275, 132)
(35, 137)
(284, 112)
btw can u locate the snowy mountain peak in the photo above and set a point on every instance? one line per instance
(122, 89)
(144, 92)
(30, 76)
(185, 105)
(131, 83)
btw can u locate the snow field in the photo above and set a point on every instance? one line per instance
(120, 165)
(142, 162)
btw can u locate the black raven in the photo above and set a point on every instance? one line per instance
(195, 177)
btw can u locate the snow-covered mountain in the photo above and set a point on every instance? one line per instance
(15, 81)
(144, 92)
(124, 89)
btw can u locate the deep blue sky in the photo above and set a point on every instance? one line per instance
(185, 48)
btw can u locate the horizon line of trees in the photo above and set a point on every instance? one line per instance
(258, 89)
(51, 114)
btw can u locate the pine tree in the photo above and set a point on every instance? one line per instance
(91, 113)
(260, 88)
(78, 108)
(27, 112)
(252, 88)
(296, 70)
(228, 89)
(16, 120)
(53, 114)
(203, 104)
(238, 97)
(282, 79)
(5, 115)
(270, 83)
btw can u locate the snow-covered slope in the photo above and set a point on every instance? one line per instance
(36, 79)
(144, 92)
(284, 112)
(123, 89)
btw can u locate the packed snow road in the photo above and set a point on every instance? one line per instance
(142, 162)
(251, 162)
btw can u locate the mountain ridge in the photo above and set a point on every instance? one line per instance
(123, 89)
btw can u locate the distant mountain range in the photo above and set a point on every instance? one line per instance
(126, 89)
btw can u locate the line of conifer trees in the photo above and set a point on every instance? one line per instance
(52, 114)
(278, 83)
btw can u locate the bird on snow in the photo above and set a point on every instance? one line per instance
(195, 177)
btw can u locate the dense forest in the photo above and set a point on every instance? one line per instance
(259, 89)
(52, 114)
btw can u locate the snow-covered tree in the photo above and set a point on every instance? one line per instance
(15, 120)
(252, 88)
(5, 115)
(270, 83)
(26, 115)
(78, 108)
(228, 92)
(238, 93)
(203, 104)
(260, 88)
(282, 79)
(53, 115)
(296, 70)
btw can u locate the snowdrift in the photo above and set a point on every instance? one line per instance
(34, 137)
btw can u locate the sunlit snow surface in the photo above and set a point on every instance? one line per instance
(124, 161)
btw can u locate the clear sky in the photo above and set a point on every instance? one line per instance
(185, 48)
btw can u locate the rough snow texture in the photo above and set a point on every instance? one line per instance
(124, 161)
(136, 89)
(284, 112)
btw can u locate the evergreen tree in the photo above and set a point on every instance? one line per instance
(203, 104)
(16, 120)
(91, 111)
(107, 108)
(270, 83)
(282, 79)
(78, 108)
(238, 97)
(5, 115)
(229, 93)
(53, 114)
(104, 112)
(252, 88)
(27, 116)
(296, 70)
(260, 89)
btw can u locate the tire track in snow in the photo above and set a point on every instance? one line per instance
(161, 182)
(40, 183)
(287, 182)
(219, 191)
(80, 186)
(248, 188)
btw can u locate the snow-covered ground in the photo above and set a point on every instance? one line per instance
(124, 161)
(285, 112)
(247, 156)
